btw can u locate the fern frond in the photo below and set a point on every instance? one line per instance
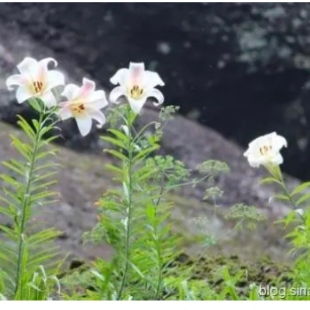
(25, 247)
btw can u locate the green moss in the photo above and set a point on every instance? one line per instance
(207, 273)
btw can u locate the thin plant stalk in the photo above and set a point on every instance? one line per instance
(25, 201)
(128, 183)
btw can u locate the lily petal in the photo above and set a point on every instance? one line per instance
(48, 99)
(279, 142)
(54, 78)
(87, 88)
(43, 68)
(97, 100)
(152, 79)
(84, 124)
(65, 112)
(277, 159)
(136, 73)
(29, 67)
(120, 77)
(116, 93)
(265, 150)
(23, 93)
(44, 62)
(98, 116)
(71, 91)
(253, 162)
(14, 80)
(136, 105)
(157, 95)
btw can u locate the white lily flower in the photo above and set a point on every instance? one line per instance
(84, 104)
(265, 150)
(136, 84)
(36, 81)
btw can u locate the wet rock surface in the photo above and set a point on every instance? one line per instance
(239, 68)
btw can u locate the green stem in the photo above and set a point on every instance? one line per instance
(292, 201)
(188, 183)
(129, 214)
(158, 245)
(24, 209)
(277, 174)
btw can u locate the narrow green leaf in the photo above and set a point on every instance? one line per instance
(47, 165)
(146, 175)
(40, 196)
(117, 154)
(150, 211)
(34, 262)
(45, 176)
(13, 167)
(42, 236)
(281, 197)
(137, 270)
(114, 168)
(26, 127)
(7, 211)
(15, 198)
(145, 152)
(126, 191)
(47, 141)
(303, 198)
(22, 148)
(300, 188)
(43, 185)
(118, 134)
(35, 104)
(36, 125)
(45, 154)
(114, 142)
(9, 180)
(270, 181)
(8, 231)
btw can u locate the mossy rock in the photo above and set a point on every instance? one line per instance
(210, 274)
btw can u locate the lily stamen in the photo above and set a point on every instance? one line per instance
(36, 81)
(265, 150)
(84, 104)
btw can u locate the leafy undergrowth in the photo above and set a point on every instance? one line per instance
(208, 277)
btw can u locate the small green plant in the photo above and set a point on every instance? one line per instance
(25, 192)
(265, 151)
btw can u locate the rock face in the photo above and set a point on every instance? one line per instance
(243, 66)
(82, 182)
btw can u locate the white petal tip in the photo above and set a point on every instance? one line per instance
(300, 212)
(99, 126)
(270, 200)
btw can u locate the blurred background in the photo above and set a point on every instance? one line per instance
(239, 68)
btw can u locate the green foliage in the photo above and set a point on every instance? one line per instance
(297, 221)
(135, 218)
(24, 247)
(245, 216)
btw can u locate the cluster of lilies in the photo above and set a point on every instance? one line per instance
(85, 103)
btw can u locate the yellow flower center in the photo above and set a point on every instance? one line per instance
(77, 109)
(136, 92)
(264, 150)
(37, 86)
